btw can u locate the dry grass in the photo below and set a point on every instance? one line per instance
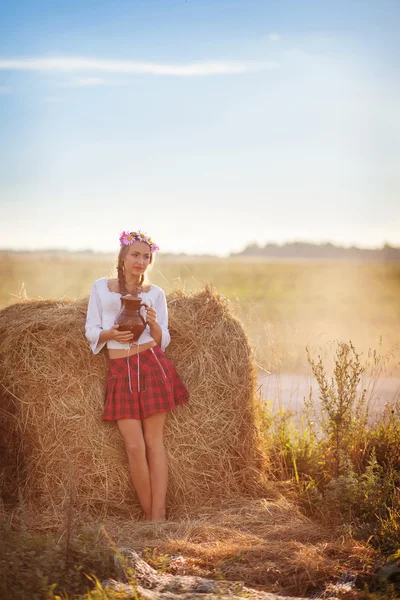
(283, 305)
(223, 517)
(52, 401)
(265, 543)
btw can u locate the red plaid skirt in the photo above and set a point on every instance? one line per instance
(152, 386)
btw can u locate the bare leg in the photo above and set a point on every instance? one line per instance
(132, 432)
(153, 427)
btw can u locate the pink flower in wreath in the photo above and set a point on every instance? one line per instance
(126, 238)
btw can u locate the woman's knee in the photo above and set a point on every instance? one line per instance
(154, 441)
(132, 433)
(135, 448)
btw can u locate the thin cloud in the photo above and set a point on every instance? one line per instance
(274, 37)
(86, 82)
(5, 89)
(77, 64)
(53, 99)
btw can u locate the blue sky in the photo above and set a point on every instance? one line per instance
(209, 124)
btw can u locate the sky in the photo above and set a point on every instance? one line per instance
(209, 124)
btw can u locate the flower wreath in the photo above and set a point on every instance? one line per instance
(128, 237)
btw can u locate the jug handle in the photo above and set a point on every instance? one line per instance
(145, 305)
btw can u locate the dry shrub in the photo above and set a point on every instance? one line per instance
(52, 397)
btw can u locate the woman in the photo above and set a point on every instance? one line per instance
(142, 384)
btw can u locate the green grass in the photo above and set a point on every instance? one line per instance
(346, 467)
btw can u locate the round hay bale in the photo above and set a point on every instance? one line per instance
(52, 390)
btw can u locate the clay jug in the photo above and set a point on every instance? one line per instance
(129, 317)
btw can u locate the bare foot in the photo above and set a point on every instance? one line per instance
(160, 517)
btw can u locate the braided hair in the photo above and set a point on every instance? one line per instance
(120, 271)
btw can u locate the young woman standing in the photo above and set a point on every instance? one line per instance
(142, 383)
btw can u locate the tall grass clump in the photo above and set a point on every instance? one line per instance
(345, 460)
(37, 567)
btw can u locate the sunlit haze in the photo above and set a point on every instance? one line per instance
(209, 124)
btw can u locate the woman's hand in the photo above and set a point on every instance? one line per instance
(123, 337)
(155, 329)
(151, 315)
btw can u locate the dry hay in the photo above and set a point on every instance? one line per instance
(265, 543)
(52, 397)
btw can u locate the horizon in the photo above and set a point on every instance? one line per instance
(211, 124)
(60, 250)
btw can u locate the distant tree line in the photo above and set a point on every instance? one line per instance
(328, 250)
(306, 250)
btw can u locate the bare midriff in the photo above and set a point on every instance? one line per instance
(114, 353)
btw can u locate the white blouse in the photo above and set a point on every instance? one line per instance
(104, 305)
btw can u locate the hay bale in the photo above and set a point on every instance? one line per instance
(52, 397)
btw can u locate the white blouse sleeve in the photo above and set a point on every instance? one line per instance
(94, 322)
(162, 318)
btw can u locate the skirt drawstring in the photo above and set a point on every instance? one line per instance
(138, 367)
(160, 365)
(138, 371)
(129, 368)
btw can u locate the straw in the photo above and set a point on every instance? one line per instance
(52, 391)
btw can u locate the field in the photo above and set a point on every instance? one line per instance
(284, 306)
(333, 508)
